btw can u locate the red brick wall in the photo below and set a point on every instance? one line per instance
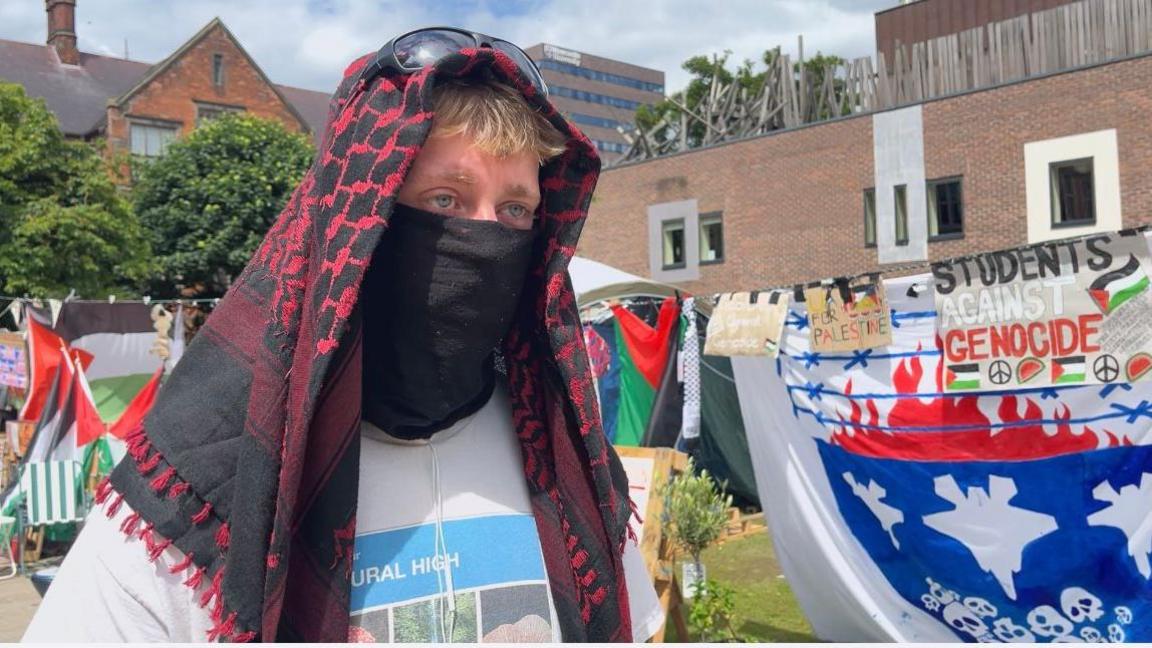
(172, 95)
(793, 201)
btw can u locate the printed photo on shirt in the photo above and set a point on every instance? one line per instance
(400, 583)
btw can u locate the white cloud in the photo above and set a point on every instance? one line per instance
(308, 42)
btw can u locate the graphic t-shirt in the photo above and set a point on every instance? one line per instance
(455, 555)
(488, 561)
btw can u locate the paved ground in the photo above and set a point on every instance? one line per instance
(18, 601)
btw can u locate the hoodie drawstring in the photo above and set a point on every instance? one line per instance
(444, 574)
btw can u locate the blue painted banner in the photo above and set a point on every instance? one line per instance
(903, 511)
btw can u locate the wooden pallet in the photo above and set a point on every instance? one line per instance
(740, 525)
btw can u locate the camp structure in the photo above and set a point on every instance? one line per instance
(634, 357)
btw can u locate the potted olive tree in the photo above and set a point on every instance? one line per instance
(695, 514)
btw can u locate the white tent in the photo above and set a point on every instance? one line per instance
(596, 282)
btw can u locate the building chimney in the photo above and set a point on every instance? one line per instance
(62, 30)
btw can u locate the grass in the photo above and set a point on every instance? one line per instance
(765, 607)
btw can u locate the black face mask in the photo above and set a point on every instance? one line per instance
(436, 301)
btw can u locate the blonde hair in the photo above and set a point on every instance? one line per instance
(497, 117)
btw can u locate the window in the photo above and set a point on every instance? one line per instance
(945, 209)
(869, 218)
(711, 238)
(673, 237)
(597, 75)
(1073, 193)
(611, 147)
(602, 122)
(218, 70)
(593, 97)
(901, 203)
(150, 140)
(207, 112)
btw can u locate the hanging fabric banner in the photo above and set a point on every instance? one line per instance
(746, 324)
(1049, 314)
(901, 511)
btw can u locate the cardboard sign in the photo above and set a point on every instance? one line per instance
(13, 366)
(741, 326)
(848, 316)
(1073, 312)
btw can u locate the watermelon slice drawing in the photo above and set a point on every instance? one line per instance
(1028, 368)
(1137, 366)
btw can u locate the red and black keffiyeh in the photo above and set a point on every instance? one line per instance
(248, 463)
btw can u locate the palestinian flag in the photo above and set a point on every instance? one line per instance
(962, 376)
(55, 438)
(44, 360)
(1068, 370)
(119, 336)
(134, 414)
(85, 419)
(643, 353)
(1111, 289)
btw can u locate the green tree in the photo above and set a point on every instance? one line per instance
(63, 223)
(695, 511)
(91, 249)
(209, 201)
(749, 75)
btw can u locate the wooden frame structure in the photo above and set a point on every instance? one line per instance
(1082, 33)
(648, 469)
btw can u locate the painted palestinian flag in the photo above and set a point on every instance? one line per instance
(119, 337)
(963, 376)
(1111, 289)
(643, 354)
(1068, 370)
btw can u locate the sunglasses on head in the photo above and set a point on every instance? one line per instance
(418, 49)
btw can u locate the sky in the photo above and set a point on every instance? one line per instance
(307, 43)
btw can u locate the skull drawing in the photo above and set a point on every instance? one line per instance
(963, 619)
(1046, 621)
(1115, 633)
(1009, 632)
(980, 607)
(1123, 614)
(941, 593)
(1091, 635)
(1080, 605)
(930, 602)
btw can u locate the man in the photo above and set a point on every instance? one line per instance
(465, 504)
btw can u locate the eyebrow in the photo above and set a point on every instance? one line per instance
(463, 177)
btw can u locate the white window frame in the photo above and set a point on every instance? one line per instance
(151, 126)
(1103, 147)
(706, 219)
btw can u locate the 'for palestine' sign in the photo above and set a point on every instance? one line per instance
(1063, 313)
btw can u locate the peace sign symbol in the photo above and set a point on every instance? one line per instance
(1106, 368)
(999, 372)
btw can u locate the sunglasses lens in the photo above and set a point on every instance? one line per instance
(523, 62)
(423, 48)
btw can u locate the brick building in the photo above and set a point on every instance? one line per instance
(1038, 159)
(917, 21)
(599, 94)
(140, 107)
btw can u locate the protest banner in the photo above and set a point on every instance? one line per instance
(13, 367)
(1071, 312)
(747, 324)
(848, 315)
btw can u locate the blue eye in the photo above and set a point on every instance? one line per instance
(517, 211)
(443, 201)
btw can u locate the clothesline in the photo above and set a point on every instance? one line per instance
(927, 264)
(115, 300)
